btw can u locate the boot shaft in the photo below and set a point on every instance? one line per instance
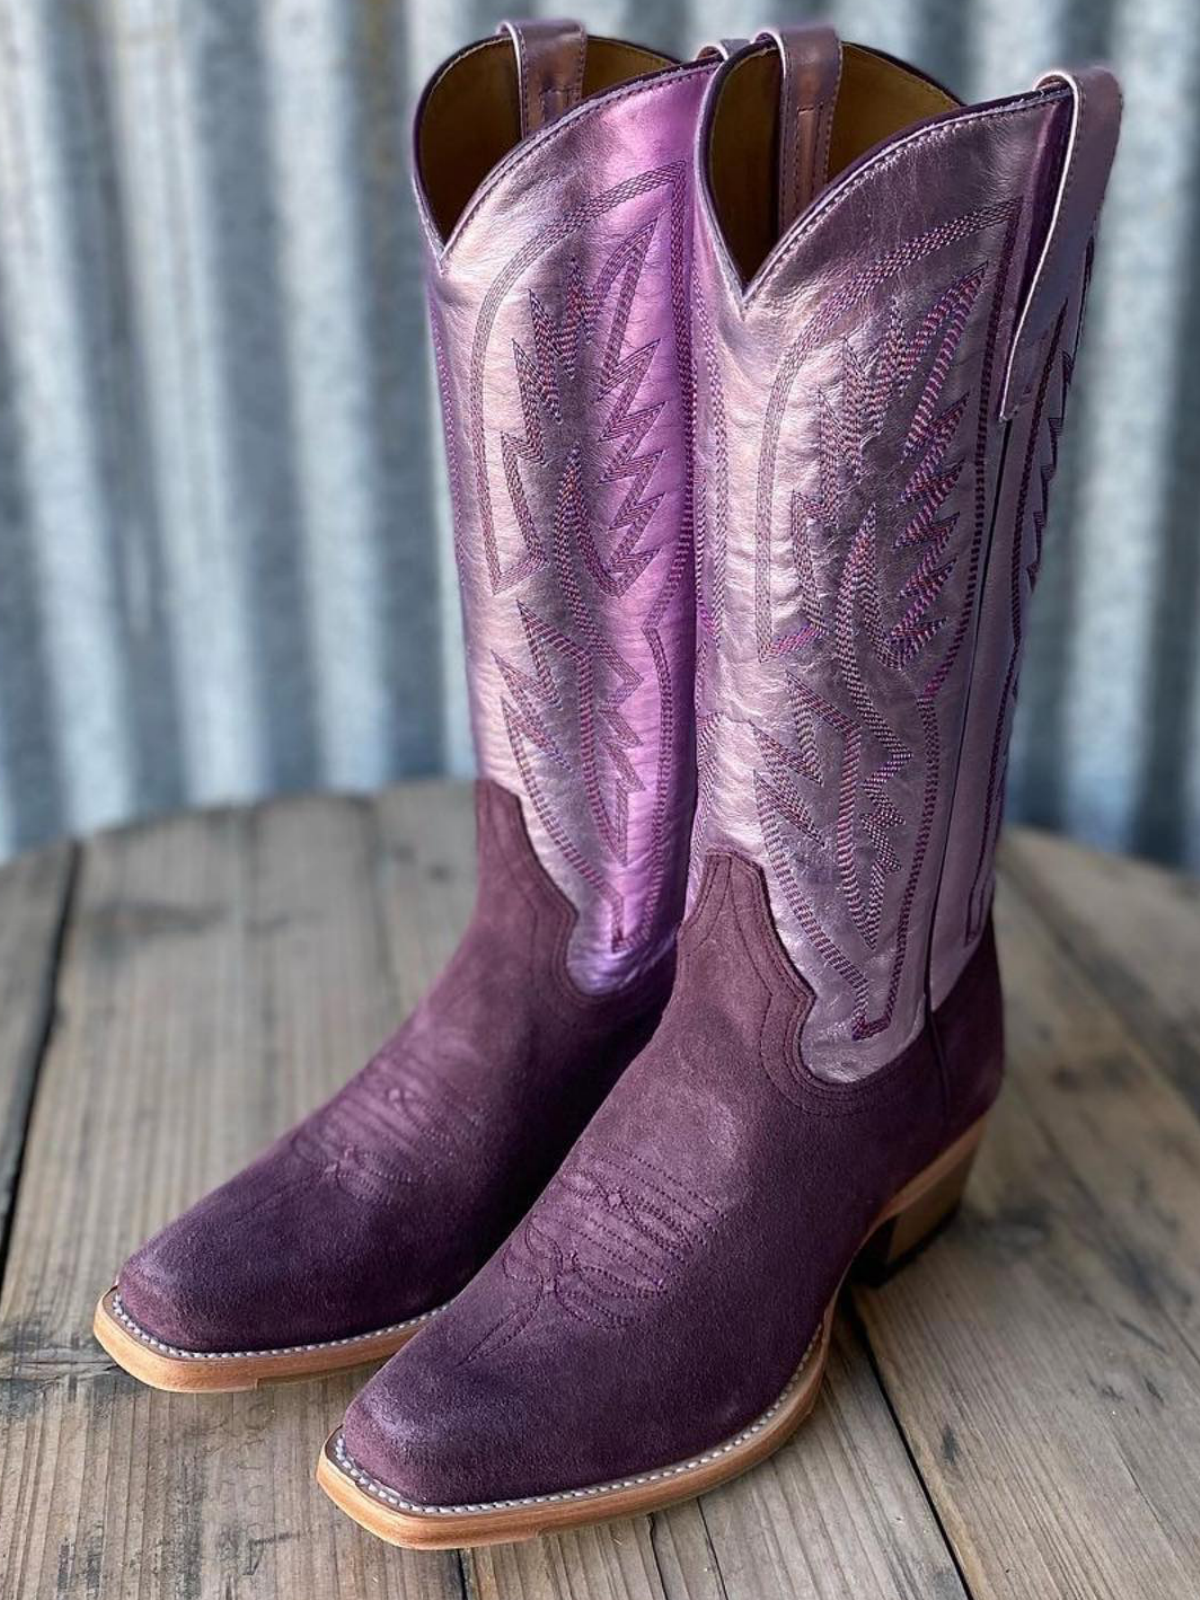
(880, 390)
(555, 184)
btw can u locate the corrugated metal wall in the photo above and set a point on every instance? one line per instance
(224, 544)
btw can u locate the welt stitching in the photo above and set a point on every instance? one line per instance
(127, 1322)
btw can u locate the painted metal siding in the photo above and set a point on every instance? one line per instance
(224, 547)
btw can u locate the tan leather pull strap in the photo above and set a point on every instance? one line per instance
(550, 57)
(811, 58)
(1082, 176)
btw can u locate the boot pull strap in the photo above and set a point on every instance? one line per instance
(720, 49)
(811, 60)
(550, 57)
(1083, 168)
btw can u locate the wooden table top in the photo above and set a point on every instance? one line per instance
(1016, 1415)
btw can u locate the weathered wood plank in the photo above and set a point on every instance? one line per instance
(1135, 928)
(1044, 1356)
(33, 891)
(222, 973)
(615, 1561)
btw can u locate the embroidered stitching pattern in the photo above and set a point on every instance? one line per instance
(350, 1467)
(925, 490)
(596, 731)
(601, 1242)
(664, 84)
(398, 1123)
(870, 172)
(712, 544)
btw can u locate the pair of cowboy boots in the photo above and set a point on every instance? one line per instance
(753, 372)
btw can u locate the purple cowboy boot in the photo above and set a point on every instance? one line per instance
(882, 361)
(554, 178)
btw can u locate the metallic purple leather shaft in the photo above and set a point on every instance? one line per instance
(968, 875)
(561, 318)
(1040, 375)
(852, 464)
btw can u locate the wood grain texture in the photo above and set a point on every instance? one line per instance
(1040, 1365)
(1043, 1356)
(1135, 930)
(33, 895)
(615, 1561)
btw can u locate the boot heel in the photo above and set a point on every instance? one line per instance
(916, 1223)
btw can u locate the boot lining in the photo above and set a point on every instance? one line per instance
(470, 118)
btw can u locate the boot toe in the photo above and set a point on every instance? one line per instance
(214, 1279)
(281, 1255)
(159, 1291)
(431, 1440)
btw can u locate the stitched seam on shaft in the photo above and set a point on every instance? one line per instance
(1028, 316)
(127, 1322)
(347, 1465)
(575, 90)
(1018, 601)
(819, 1097)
